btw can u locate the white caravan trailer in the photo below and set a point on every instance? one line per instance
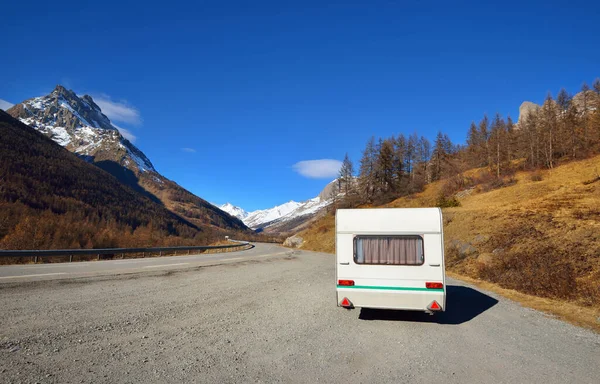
(390, 258)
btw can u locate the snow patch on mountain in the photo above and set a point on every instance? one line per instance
(233, 211)
(60, 135)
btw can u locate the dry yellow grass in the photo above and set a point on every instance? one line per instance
(320, 236)
(573, 313)
(527, 235)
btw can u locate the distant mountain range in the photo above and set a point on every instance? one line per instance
(284, 217)
(78, 124)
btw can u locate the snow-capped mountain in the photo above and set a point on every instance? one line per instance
(234, 211)
(263, 216)
(280, 214)
(78, 124)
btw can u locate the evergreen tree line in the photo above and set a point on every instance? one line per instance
(562, 129)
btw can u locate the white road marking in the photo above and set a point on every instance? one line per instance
(135, 261)
(164, 265)
(254, 257)
(275, 254)
(38, 275)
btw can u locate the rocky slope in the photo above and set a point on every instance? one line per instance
(78, 124)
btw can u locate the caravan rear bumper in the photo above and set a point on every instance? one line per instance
(413, 299)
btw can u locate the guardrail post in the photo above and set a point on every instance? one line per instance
(160, 253)
(70, 258)
(188, 251)
(175, 253)
(35, 259)
(98, 256)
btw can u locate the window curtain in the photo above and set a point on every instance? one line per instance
(393, 250)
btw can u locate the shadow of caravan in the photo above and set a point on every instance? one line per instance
(464, 304)
(390, 258)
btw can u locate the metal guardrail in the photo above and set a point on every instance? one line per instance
(114, 251)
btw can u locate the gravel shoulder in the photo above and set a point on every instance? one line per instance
(273, 320)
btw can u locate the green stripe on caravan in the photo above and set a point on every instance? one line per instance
(389, 288)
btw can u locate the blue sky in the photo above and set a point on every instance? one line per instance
(225, 97)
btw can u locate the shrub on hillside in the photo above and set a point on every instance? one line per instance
(447, 202)
(536, 176)
(540, 270)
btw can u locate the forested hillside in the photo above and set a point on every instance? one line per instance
(520, 201)
(562, 129)
(50, 198)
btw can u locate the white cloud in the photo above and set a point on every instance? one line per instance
(119, 111)
(318, 169)
(126, 133)
(190, 150)
(4, 105)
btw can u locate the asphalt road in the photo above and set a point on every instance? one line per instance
(269, 319)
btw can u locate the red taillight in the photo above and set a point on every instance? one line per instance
(434, 285)
(346, 283)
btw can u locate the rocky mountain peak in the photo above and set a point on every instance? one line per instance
(60, 90)
(78, 124)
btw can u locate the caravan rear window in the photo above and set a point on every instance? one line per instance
(389, 250)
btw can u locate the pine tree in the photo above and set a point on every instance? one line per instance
(439, 156)
(564, 137)
(346, 175)
(548, 127)
(510, 139)
(366, 178)
(484, 137)
(474, 146)
(497, 141)
(411, 146)
(596, 86)
(385, 167)
(563, 99)
(400, 150)
(423, 156)
(529, 128)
